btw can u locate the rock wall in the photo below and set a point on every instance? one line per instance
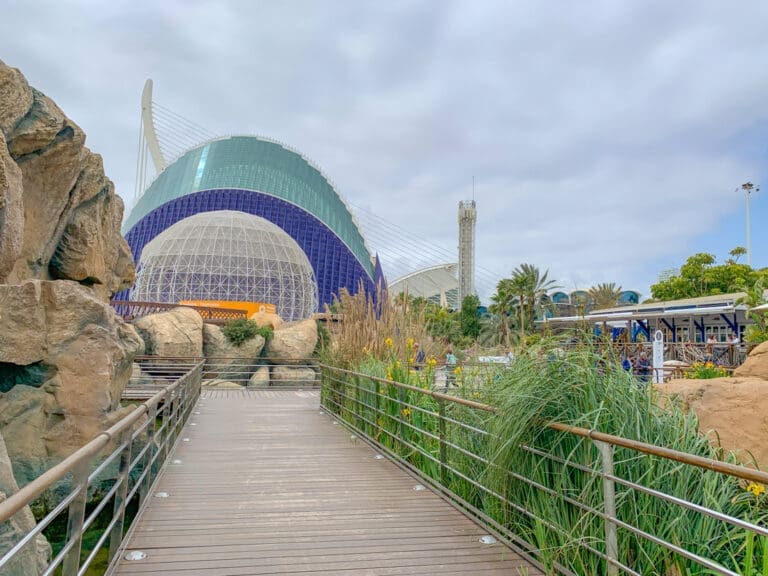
(59, 214)
(65, 357)
(34, 559)
(733, 410)
(756, 364)
(64, 354)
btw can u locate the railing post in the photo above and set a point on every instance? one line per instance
(166, 423)
(75, 519)
(147, 482)
(123, 476)
(400, 408)
(357, 403)
(609, 506)
(442, 440)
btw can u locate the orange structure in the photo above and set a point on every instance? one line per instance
(249, 307)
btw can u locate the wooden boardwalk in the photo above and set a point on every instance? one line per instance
(266, 484)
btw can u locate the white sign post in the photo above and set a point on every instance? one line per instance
(658, 357)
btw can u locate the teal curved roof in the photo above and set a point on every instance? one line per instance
(260, 165)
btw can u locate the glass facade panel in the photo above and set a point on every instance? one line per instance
(249, 163)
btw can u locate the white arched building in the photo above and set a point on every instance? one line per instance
(437, 284)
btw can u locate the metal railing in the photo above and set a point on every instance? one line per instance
(138, 447)
(721, 353)
(445, 440)
(223, 371)
(130, 310)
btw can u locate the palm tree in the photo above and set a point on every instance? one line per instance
(531, 286)
(604, 295)
(502, 303)
(754, 297)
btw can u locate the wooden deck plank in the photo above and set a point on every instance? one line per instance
(267, 484)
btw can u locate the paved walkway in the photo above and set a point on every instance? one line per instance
(266, 484)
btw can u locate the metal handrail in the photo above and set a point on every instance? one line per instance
(172, 404)
(740, 472)
(360, 402)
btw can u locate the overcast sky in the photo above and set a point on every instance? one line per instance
(606, 138)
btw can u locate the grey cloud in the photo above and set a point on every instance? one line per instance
(592, 127)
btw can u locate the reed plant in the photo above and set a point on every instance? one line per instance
(543, 485)
(584, 388)
(377, 329)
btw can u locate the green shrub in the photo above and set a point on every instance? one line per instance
(241, 330)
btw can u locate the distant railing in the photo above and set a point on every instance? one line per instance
(223, 372)
(444, 439)
(139, 446)
(721, 353)
(130, 310)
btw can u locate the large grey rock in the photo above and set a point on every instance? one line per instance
(62, 218)
(22, 323)
(91, 249)
(24, 414)
(176, 333)
(227, 361)
(293, 376)
(260, 378)
(34, 558)
(15, 98)
(11, 211)
(65, 358)
(293, 341)
(64, 354)
(139, 377)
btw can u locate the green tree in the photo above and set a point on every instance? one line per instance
(470, 323)
(604, 295)
(532, 287)
(521, 295)
(701, 276)
(737, 253)
(503, 303)
(756, 332)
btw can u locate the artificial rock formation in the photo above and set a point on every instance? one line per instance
(756, 364)
(293, 342)
(260, 378)
(733, 410)
(35, 557)
(64, 354)
(267, 319)
(230, 362)
(172, 334)
(293, 376)
(65, 358)
(59, 214)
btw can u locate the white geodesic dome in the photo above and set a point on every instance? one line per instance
(227, 255)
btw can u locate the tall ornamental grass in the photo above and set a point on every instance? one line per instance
(584, 389)
(376, 330)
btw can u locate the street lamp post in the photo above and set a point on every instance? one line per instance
(748, 188)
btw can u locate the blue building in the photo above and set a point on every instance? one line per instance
(267, 179)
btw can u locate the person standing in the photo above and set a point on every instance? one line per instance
(450, 366)
(643, 367)
(418, 355)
